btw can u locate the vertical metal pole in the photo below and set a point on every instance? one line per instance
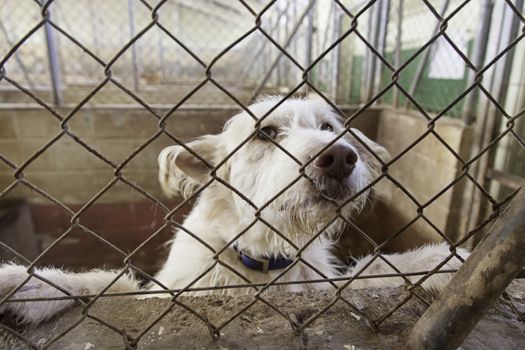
(287, 42)
(134, 62)
(337, 55)
(94, 34)
(381, 41)
(287, 68)
(273, 76)
(478, 54)
(477, 284)
(500, 77)
(366, 56)
(173, 57)
(309, 39)
(266, 57)
(273, 50)
(323, 66)
(399, 46)
(295, 51)
(370, 59)
(279, 68)
(260, 50)
(94, 26)
(309, 36)
(507, 151)
(472, 198)
(162, 63)
(54, 64)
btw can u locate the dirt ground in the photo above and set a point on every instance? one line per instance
(260, 326)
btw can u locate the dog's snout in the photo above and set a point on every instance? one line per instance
(337, 162)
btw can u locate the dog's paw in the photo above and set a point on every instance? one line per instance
(415, 264)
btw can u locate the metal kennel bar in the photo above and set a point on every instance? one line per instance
(54, 65)
(134, 60)
(479, 52)
(489, 112)
(281, 52)
(364, 22)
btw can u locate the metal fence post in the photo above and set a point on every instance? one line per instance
(383, 12)
(323, 73)
(295, 44)
(94, 26)
(162, 63)
(134, 62)
(260, 51)
(476, 285)
(336, 55)
(287, 42)
(367, 84)
(486, 273)
(287, 65)
(309, 40)
(478, 54)
(398, 48)
(54, 64)
(279, 67)
(309, 35)
(488, 112)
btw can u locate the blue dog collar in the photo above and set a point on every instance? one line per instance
(263, 264)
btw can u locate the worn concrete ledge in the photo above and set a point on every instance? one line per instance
(261, 327)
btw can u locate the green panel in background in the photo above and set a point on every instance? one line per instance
(432, 94)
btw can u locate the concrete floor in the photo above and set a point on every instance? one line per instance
(261, 327)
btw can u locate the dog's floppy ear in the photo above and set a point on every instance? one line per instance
(383, 189)
(180, 171)
(379, 150)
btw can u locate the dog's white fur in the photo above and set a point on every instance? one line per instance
(259, 170)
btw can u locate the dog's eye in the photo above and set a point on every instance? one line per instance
(266, 133)
(327, 127)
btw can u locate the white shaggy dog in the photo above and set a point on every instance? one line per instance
(258, 215)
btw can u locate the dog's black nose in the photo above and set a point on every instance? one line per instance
(337, 162)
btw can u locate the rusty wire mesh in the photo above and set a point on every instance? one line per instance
(207, 65)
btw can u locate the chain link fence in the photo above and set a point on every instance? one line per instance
(163, 64)
(163, 56)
